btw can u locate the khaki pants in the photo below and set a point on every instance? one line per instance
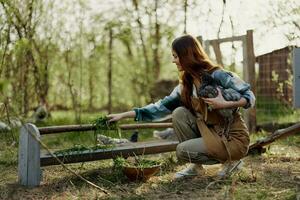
(191, 147)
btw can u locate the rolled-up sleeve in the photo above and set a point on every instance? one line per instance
(159, 109)
(228, 80)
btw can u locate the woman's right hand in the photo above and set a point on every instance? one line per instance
(119, 116)
(115, 117)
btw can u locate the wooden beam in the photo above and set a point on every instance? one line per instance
(218, 53)
(29, 172)
(229, 39)
(249, 77)
(145, 125)
(90, 127)
(279, 134)
(125, 151)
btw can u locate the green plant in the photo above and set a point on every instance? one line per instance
(78, 148)
(101, 124)
(104, 127)
(138, 162)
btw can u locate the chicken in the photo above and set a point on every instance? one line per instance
(106, 140)
(208, 89)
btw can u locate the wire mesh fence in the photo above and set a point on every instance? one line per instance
(274, 88)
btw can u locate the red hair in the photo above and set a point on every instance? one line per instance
(193, 61)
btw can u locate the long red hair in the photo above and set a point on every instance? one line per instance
(193, 61)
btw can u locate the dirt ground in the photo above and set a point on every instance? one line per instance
(273, 175)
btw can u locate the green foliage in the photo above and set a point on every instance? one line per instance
(101, 123)
(139, 162)
(78, 148)
(4, 87)
(8, 156)
(272, 110)
(102, 126)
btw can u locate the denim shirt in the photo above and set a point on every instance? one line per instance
(165, 106)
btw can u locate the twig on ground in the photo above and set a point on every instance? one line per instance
(214, 182)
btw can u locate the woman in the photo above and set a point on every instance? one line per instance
(200, 130)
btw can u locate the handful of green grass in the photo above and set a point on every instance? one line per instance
(101, 123)
(102, 126)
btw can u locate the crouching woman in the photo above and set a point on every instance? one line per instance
(200, 130)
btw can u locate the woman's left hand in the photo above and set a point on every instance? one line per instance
(218, 102)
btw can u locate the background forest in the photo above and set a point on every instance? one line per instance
(82, 59)
(105, 56)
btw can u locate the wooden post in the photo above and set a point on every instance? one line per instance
(296, 70)
(217, 50)
(249, 76)
(29, 170)
(200, 39)
(206, 44)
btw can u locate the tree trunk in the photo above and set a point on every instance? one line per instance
(145, 52)
(24, 83)
(91, 88)
(109, 74)
(156, 57)
(185, 15)
(72, 91)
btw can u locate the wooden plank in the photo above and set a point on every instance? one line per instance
(206, 45)
(229, 39)
(34, 170)
(145, 125)
(281, 133)
(200, 39)
(217, 50)
(127, 150)
(249, 77)
(90, 127)
(29, 156)
(22, 157)
(296, 70)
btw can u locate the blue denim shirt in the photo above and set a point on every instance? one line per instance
(165, 106)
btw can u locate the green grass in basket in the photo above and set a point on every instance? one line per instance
(139, 162)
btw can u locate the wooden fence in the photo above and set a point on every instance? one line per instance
(31, 159)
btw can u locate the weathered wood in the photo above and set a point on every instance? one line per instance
(249, 76)
(29, 156)
(281, 133)
(296, 72)
(90, 127)
(145, 125)
(272, 127)
(216, 46)
(126, 150)
(229, 39)
(22, 157)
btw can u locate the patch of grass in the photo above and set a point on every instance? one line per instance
(267, 176)
(270, 110)
(293, 140)
(139, 162)
(8, 157)
(80, 148)
(68, 117)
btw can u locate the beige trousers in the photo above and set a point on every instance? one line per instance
(191, 147)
